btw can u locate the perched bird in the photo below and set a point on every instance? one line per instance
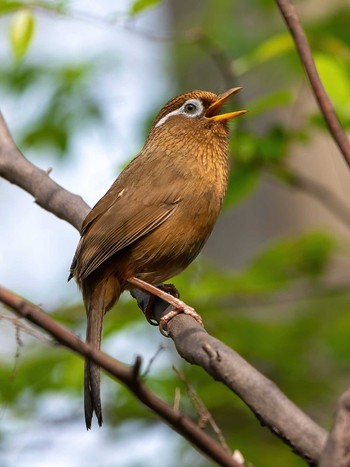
(156, 217)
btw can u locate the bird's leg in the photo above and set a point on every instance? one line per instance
(158, 292)
(179, 305)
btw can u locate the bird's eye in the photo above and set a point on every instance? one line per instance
(190, 108)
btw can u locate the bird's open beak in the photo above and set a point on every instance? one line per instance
(212, 112)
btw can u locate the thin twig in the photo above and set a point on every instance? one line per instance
(293, 23)
(136, 368)
(18, 323)
(177, 399)
(204, 415)
(152, 360)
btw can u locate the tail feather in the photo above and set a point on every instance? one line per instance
(92, 400)
(98, 303)
(88, 407)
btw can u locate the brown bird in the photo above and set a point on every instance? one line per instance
(156, 217)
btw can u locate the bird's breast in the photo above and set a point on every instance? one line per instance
(172, 246)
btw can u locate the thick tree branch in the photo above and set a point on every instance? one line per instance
(293, 23)
(262, 396)
(337, 449)
(128, 375)
(15, 168)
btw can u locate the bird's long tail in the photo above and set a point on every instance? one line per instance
(97, 304)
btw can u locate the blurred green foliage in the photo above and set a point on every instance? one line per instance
(67, 103)
(139, 6)
(21, 32)
(280, 311)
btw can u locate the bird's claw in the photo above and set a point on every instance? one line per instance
(170, 315)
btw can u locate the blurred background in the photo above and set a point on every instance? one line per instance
(80, 83)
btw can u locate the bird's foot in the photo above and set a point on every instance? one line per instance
(163, 293)
(164, 320)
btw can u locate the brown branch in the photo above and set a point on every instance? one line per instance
(292, 21)
(337, 449)
(262, 396)
(128, 375)
(15, 168)
(268, 403)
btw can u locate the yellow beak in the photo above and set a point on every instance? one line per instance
(211, 113)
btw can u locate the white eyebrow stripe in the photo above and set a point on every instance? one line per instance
(165, 118)
(181, 111)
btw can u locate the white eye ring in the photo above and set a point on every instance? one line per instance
(191, 108)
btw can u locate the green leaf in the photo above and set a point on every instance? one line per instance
(21, 32)
(9, 6)
(141, 5)
(336, 80)
(272, 48)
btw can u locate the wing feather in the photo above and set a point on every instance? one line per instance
(98, 245)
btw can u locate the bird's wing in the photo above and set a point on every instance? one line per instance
(114, 225)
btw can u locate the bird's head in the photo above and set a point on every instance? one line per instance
(195, 111)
